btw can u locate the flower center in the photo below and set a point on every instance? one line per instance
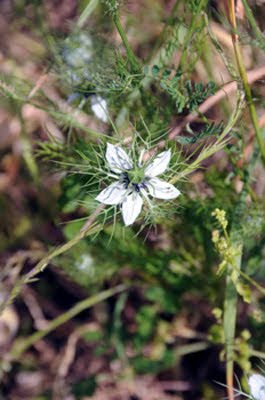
(136, 175)
(134, 180)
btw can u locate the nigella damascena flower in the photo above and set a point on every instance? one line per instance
(135, 182)
(99, 108)
(256, 384)
(77, 54)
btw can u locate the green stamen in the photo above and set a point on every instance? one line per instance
(136, 175)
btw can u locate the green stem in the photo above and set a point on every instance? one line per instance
(230, 301)
(243, 75)
(183, 58)
(229, 322)
(161, 59)
(86, 13)
(21, 346)
(259, 35)
(252, 109)
(131, 56)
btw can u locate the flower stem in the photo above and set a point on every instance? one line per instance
(229, 323)
(252, 109)
(131, 56)
(230, 301)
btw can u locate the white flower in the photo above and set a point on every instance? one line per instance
(78, 50)
(77, 53)
(256, 384)
(99, 108)
(135, 182)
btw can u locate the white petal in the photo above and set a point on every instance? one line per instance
(140, 162)
(131, 208)
(117, 158)
(161, 189)
(113, 194)
(99, 108)
(256, 384)
(158, 165)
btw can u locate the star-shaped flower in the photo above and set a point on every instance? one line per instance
(135, 182)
